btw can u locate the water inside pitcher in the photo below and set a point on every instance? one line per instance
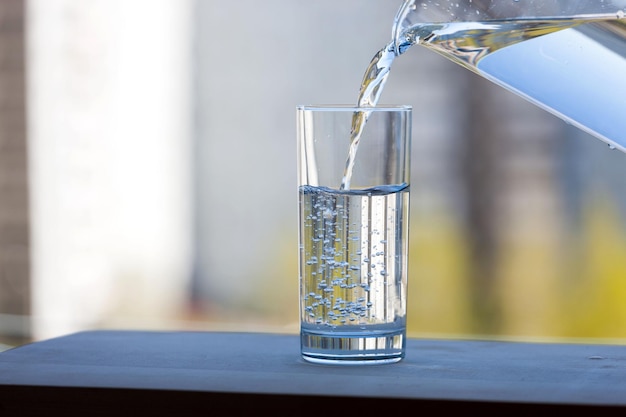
(566, 56)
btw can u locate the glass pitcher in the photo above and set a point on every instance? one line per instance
(566, 56)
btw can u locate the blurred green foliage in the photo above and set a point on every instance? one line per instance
(565, 284)
(572, 285)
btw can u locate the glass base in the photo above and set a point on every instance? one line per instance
(352, 349)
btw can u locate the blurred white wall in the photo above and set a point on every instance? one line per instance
(126, 97)
(109, 131)
(255, 61)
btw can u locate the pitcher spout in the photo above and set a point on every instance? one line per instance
(566, 56)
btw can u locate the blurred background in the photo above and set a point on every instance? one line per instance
(148, 176)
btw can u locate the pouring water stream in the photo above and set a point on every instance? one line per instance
(571, 64)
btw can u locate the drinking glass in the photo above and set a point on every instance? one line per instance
(353, 232)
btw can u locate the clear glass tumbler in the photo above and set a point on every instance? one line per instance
(353, 233)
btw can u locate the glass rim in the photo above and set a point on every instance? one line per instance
(354, 108)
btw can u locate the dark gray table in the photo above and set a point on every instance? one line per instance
(202, 373)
